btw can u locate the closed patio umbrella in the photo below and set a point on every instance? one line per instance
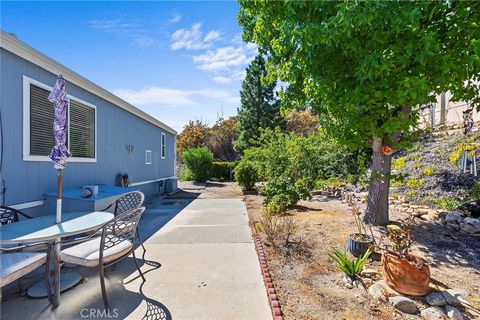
(60, 152)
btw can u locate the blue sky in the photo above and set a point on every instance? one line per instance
(175, 60)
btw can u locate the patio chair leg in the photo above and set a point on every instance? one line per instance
(136, 263)
(102, 283)
(141, 243)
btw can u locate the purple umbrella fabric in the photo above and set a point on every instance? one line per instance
(58, 97)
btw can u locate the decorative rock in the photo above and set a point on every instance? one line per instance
(458, 292)
(452, 217)
(404, 304)
(433, 313)
(441, 299)
(432, 214)
(453, 313)
(369, 273)
(376, 291)
(425, 217)
(468, 228)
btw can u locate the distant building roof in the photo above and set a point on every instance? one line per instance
(10, 42)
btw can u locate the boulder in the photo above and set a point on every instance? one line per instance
(458, 292)
(468, 228)
(443, 298)
(376, 291)
(433, 313)
(452, 217)
(404, 304)
(453, 313)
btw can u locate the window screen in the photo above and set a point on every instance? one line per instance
(163, 149)
(41, 122)
(82, 130)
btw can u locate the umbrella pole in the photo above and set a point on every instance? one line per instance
(59, 196)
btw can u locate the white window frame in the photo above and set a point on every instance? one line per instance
(163, 145)
(148, 152)
(26, 122)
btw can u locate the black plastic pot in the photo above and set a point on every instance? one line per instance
(358, 248)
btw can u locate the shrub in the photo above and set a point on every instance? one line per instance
(399, 163)
(246, 175)
(221, 171)
(291, 192)
(414, 183)
(186, 175)
(428, 171)
(278, 231)
(474, 192)
(447, 203)
(199, 162)
(278, 204)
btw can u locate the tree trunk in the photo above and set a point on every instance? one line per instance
(377, 207)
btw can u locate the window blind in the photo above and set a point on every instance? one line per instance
(41, 122)
(82, 130)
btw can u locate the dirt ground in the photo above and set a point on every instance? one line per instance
(312, 287)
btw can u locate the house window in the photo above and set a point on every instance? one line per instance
(148, 156)
(163, 148)
(38, 125)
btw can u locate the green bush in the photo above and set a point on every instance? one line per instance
(447, 203)
(278, 204)
(199, 162)
(246, 175)
(221, 171)
(474, 192)
(290, 192)
(186, 175)
(399, 163)
(428, 171)
(415, 184)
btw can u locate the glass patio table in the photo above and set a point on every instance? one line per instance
(45, 229)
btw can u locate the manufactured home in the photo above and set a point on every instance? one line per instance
(106, 135)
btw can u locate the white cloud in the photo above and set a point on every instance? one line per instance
(175, 18)
(226, 64)
(167, 97)
(192, 39)
(123, 29)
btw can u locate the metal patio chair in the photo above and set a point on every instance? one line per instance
(15, 263)
(114, 244)
(9, 215)
(127, 202)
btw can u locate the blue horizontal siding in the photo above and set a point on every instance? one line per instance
(27, 181)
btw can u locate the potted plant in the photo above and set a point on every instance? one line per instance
(359, 242)
(403, 271)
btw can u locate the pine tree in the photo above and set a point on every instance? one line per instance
(259, 106)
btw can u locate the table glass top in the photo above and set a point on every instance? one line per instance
(45, 228)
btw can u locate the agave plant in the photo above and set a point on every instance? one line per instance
(351, 268)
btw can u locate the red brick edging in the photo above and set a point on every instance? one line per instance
(272, 296)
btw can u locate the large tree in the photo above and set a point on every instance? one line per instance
(260, 107)
(364, 66)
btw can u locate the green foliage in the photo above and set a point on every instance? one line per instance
(474, 192)
(221, 171)
(259, 105)
(357, 63)
(186, 175)
(315, 157)
(428, 171)
(399, 163)
(246, 174)
(199, 163)
(414, 183)
(351, 268)
(447, 203)
(411, 193)
(282, 192)
(471, 148)
(278, 204)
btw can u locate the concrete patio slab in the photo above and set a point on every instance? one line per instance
(200, 264)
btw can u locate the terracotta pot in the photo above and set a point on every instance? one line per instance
(404, 276)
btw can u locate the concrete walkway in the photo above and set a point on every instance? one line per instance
(200, 265)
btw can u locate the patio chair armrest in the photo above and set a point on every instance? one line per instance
(109, 206)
